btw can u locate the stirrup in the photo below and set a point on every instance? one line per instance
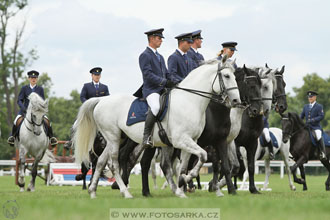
(11, 140)
(148, 143)
(53, 141)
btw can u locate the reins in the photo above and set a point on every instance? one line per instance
(220, 98)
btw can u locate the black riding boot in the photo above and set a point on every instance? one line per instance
(321, 146)
(270, 149)
(148, 127)
(11, 139)
(53, 140)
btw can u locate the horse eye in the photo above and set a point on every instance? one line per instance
(227, 76)
(266, 88)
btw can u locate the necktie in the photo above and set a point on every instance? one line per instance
(158, 56)
(96, 86)
(185, 59)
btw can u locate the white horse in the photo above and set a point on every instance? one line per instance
(32, 138)
(184, 121)
(283, 148)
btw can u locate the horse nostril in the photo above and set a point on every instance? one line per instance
(235, 101)
(255, 111)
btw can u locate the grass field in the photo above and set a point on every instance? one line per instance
(68, 202)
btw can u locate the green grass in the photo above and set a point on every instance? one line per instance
(68, 202)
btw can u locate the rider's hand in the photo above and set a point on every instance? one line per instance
(170, 84)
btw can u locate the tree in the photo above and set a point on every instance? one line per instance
(13, 61)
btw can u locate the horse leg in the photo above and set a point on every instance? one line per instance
(21, 179)
(188, 145)
(285, 155)
(302, 173)
(293, 168)
(114, 167)
(251, 150)
(153, 172)
(267, 172)
(326, 164)
(145, 166)
(84, 171)
(102, 161)
(167, 168)
(225, 167)
(34, 172)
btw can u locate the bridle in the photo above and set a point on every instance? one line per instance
(291, 134)
(33, 123)
(275, 97)
(217, 98)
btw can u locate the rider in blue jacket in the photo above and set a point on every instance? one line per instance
(313, 113)
(23, 103)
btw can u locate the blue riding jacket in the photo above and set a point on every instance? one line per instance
(154, 72)
(313, 116)
(23, 101)
(197, 58)
(178, 67)
(89, 91)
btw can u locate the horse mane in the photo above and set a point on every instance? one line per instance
(37, 100)
(296, 119)
(265, 72)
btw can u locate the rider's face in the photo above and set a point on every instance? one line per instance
(33, 80)
(96, 78)
(155, 41)
(312, 99)
(229, 52)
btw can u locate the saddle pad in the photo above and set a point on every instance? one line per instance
(139, 110)
(273, 138)
(326, 138)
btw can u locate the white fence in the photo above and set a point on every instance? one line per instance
(280, 163)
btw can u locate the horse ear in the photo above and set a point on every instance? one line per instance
(224, 58)
(266, 65)
(282, 70)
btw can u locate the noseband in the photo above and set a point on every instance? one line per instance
(275, 97)
(33, 123)
(219, 98)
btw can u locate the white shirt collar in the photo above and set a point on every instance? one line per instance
(33, 86)
(194, 49)
(96, 83)
(153, 50)
(182, 53)
(312, 104)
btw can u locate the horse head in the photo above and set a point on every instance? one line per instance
(268, 85)
(249, 85)
(279, 96)
(291, 124)
(36, 111)
(227, 81)
(253, 93)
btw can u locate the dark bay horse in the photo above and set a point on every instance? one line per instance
(301, 147)
(215, 132)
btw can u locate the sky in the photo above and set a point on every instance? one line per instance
(73, 36)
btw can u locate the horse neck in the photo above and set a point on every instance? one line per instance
(201, 80)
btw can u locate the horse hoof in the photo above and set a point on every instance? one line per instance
(255, 191)
(147, 194)
(180, 193)
(115, 185)
(233, 193)
(305, 189)
(78, 177)
(93, 195)
(293, 188)
(182, 181)
(127, 195)
(21, 189)
(219, 193)
(327, 188)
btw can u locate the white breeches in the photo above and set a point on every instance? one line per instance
(267, 135)
(318, 134)
(153, 102)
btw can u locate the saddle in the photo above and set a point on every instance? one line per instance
(325, 136)
(139, 110)
(272, 139)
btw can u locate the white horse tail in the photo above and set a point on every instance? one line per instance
(84, 130)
